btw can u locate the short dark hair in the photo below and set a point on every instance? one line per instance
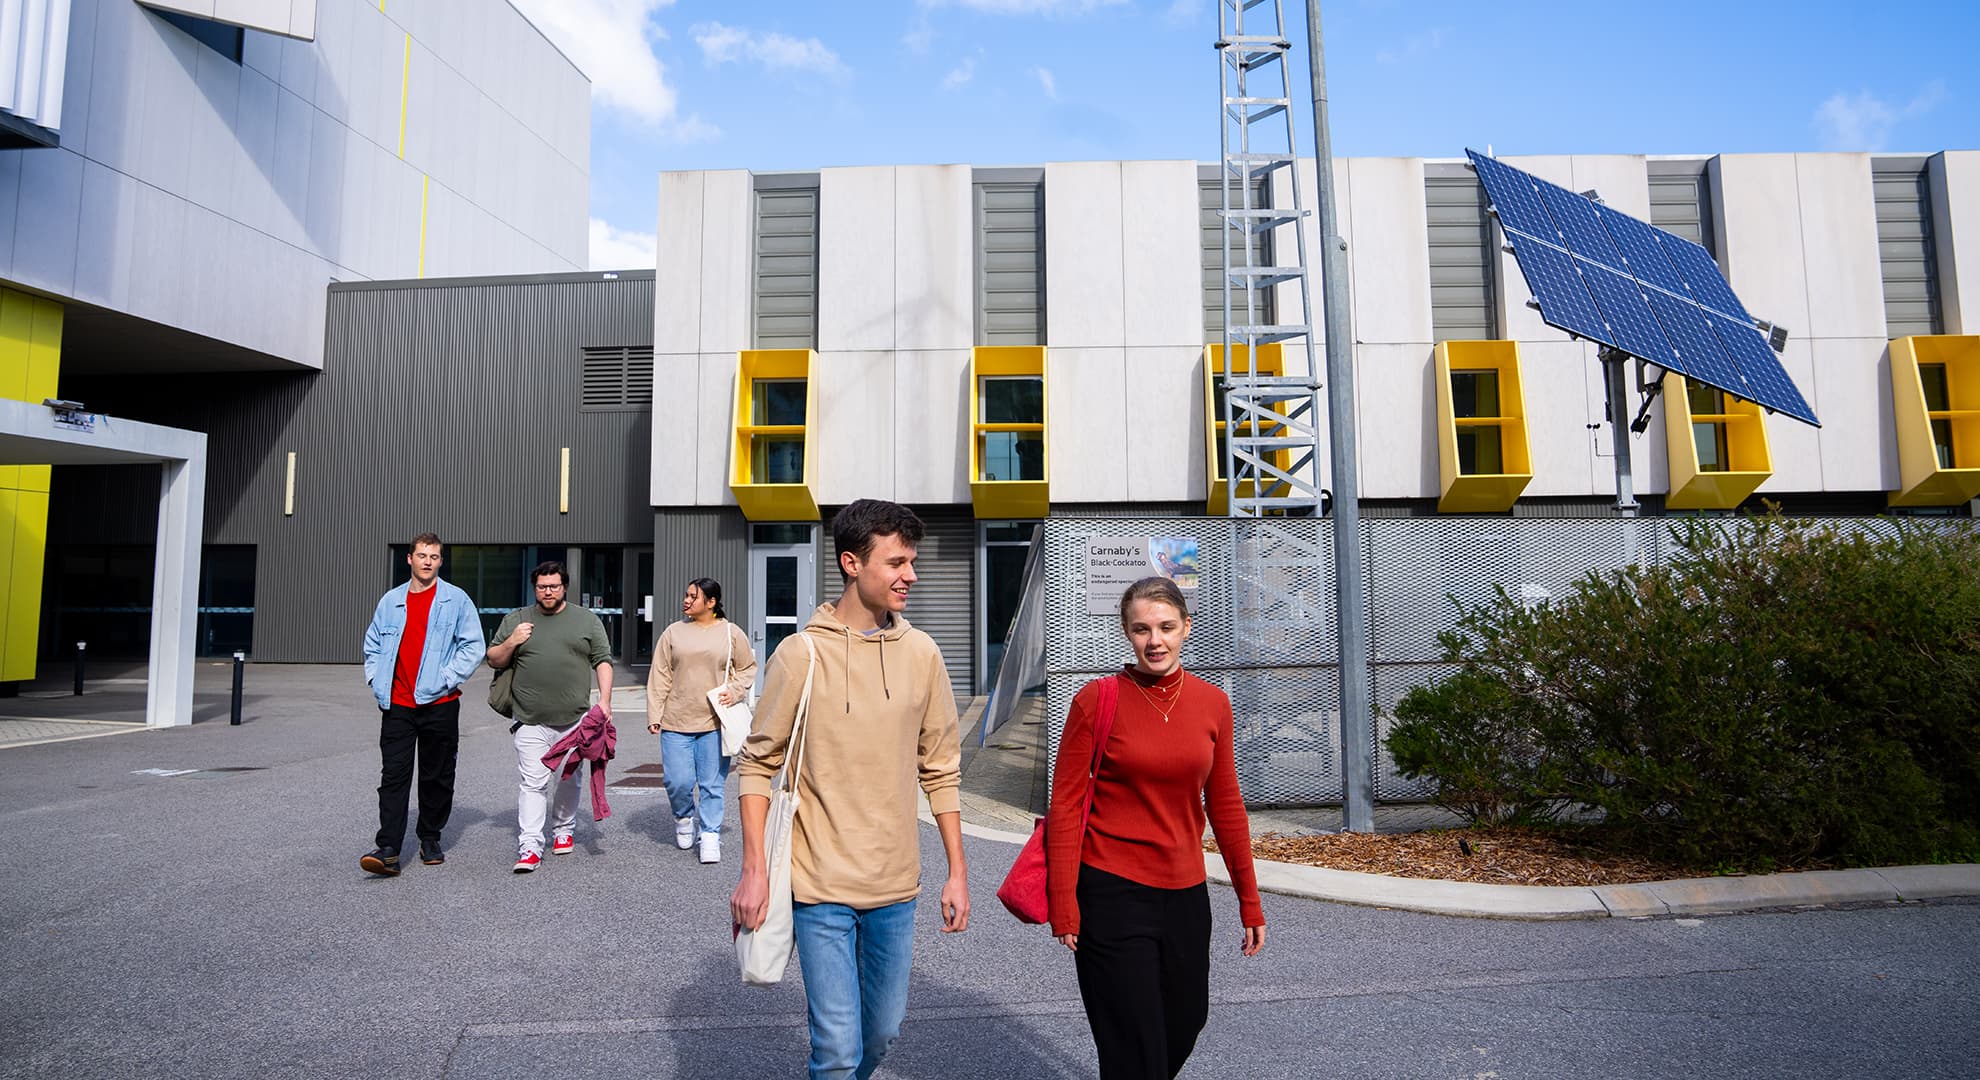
(545, 569)
(855, 526)
(426, 538)
(712, 591)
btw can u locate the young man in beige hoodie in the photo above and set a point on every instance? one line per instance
(882, 717)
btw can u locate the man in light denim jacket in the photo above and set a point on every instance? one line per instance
(423, 642)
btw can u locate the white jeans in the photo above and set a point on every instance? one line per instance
(532, 742)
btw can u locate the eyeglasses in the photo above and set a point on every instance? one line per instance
(549, 588)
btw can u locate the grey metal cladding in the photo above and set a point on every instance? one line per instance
(1210, 222)
(1681, 201)
(1010, 262)
(699, 541)
(1906, 248)
(1462, 306)
(439, 408)
(784, 268)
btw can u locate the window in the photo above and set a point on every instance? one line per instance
(778, 457)
(1938, 399)
(226, 599)
(1708, 425)
(1006, 545)
(1010, 262)
(1014, 455)
(1905, 247)
(1462, 305)
(617, 378)
(1474, 395)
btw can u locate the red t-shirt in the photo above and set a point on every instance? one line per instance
(412, 643)
(1158, 782)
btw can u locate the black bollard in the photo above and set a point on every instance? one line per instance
(81, 646)
(240, 665)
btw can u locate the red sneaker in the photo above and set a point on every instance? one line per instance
(527, 862)
(563, 845)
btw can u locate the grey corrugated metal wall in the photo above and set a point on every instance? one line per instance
(942, 602)
(702, 541)
(1680, 202)
(441, 405)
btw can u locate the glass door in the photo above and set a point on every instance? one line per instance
(783, 583)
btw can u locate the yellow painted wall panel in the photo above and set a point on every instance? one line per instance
(23, 614)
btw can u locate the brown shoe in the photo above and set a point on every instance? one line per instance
(381, 861)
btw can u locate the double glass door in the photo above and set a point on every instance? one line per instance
(783, 583)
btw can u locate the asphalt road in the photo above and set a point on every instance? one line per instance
(215, 924)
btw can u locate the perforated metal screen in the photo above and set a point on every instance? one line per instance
(1279, 663)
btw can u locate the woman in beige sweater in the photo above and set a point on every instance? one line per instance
(701, 652)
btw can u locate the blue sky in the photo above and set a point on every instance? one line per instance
(770, 85)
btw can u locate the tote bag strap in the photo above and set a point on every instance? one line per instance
(794, 761)
(729, 662)
(1103, 726)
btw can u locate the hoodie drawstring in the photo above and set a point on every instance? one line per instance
(883, 667)
(885, 690)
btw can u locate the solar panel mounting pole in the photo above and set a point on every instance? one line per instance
(1350, 594)
(1613, 361)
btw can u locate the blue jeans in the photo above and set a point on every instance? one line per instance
(855, 967)
(694, 763)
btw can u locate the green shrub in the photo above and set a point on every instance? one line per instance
(1777, 691)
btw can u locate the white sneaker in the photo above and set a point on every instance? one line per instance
(711, 847)
(684, 833)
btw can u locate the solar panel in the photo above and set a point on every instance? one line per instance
(1612, 279)
(1551, 278)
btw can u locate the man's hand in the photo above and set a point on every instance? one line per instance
(520, 634)
(727, 697)
(955, 904)
(749, 905)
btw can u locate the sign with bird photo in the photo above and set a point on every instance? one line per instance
(1115, 562)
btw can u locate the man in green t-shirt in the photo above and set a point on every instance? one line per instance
(556, 649)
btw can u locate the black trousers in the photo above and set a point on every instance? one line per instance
(435, 732)
(1144, 973)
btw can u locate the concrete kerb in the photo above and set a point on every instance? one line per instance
(1686, 896)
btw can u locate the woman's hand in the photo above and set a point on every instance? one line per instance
(728, 696)
(1070, 941)
(1254, 940)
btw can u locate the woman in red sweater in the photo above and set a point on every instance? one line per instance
(1127, 896)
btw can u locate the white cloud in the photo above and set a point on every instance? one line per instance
(1864, 121)
(611, 41)
(1026, 7)
(778, 52)
(919, 36)
(1189, 11)
(959, 74)
(620, 249)
(1045, 79)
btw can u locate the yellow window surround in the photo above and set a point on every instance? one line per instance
(1741, 436)
(995, 494)
(756, 371)
(1271, 361)
(1935, 398)
(1493, 443)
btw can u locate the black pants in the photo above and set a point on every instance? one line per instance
(435, 730)
(1144, 973)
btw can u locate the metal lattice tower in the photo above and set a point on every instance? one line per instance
(1271, 421)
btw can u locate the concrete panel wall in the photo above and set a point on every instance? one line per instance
(1389, 252)
(1163, 408)
(1087, 425)
(854, 440)
(1955, 180)
(1159, 252)
(1083, 270)
(329, 159)
(931, 426)
(934, 304)
(855, 259)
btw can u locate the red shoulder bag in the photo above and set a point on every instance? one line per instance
(1023, 890)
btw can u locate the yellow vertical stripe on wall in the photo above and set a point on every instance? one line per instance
(405, 81)
(424, 183)
(30, 362)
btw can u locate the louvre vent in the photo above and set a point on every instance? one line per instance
(618, 377)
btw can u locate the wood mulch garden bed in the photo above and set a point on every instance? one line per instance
(1501, 855)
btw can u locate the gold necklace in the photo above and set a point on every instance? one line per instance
(1173, 697)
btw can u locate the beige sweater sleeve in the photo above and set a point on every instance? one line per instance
(939, 746)
(776, 711)
(660, 677)
(744, 661)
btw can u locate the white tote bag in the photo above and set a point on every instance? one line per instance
(737, 717)
(764, 953)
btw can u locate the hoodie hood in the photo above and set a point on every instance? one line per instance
(826, 623)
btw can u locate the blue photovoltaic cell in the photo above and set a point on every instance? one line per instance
(1636, 330)
(1638, 243)
(1700, 356)
(1766, 380)
(1512, 195)
(1564, 301)
(1576, 217)
(1708, 285)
